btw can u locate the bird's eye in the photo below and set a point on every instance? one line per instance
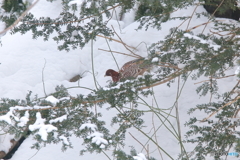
(108, 74)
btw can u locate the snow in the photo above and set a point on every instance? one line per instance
(52, 99)
(97, 138)
(155, 59)
(64, 139)
(78, 2)
(140, 156)
(27, 63)
(237, 71)
(59, 119)
(43, 128)
(23, 120)
(88, 125)
(214, 46)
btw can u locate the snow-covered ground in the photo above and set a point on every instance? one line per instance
(26, 63)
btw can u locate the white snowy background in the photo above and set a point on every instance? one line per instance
(22, 70)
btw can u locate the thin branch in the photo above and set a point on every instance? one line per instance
(144, 44)
(192, 15)
(227, 104)
(154, 143)
(169, 65)
(117, 52)
(116, 41)
(106, 155)
(43, 77)
(94, 77)
(155, 131)
(211, 94)
(35, 154)
(213, 14)
(222, 35)
(139, 143)
(124, 44)
(216, 78)
(177, 114)
(110, 50)
(198, 26)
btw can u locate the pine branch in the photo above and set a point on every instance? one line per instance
(227, 104)
(19, 18)
(60, 23)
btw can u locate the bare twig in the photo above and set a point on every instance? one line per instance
(125, 44)
(192, 15)
(216, 78)
(43, 77)
(177, 114)
(118, 52)
(106, 155)
(116, 41)
(93, 70)
(211, 94)
(222, 35)
(213, 15)
(35, 153)
(155, 131)
(198, 26)
(112, 54)
(139, 143)
(227, 104)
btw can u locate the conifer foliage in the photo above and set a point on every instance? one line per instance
(10, 10)
(182, 54)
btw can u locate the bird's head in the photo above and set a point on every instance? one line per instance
(115, 75)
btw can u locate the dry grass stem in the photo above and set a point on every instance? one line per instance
(139, 143)
(213, 15)
(125, 44)
(117, 41)
(192, 15)
(215, 78)
(118, 52)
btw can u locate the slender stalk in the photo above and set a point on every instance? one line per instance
(163, 122)
(150, 138)
(106, 155)
(177, 116)
(93, 72)
(112, 54)
(43, 77)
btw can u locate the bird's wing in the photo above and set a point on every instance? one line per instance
(134, 68)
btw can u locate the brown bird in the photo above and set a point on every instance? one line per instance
(130, 69)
